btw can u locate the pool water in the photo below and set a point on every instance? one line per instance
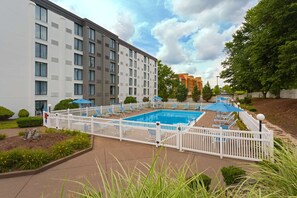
(167, 117)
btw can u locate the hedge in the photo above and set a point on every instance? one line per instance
(23, 113)
(232, 174)
(200, 180)
(5, 113)
(29, 122)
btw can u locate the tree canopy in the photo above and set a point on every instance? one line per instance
(196, 94)
(262, 54)
(167, 82)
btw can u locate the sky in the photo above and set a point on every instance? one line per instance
(187, 35)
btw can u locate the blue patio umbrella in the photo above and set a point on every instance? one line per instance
(81, 102)
(222, 98)
(222, 107)
(156, 98)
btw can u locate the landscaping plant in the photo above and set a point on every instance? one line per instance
(232, 174)
(23, 113)
(29, 122)
(2, 136)
(5, 113)
(130, 99)
(66, 104)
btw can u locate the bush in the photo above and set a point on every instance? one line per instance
(79, 142)
(247, 100)
(145, 99)
(21, 133)
(232, 174)
(66, 104)
(201, 180)
(5, 114)
(2, 136)
(29, 122)
(129, 99)
(23, 113)
(61, 150)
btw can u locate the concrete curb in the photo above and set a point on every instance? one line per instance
(47, 166)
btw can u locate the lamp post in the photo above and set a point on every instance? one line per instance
(121, 103)
(260, 117)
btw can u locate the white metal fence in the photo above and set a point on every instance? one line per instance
(246, 145)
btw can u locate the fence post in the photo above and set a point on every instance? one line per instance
(120, 128)
(112, 108)
(68, 120)
(180, 138)
(48, 120)
(57, 121)
(158, 134)
(221, 142)
(43, 118)
(68, 111)
(92, 125)
(101, 109)
(87, 111)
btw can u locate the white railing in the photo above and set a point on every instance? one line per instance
(252, 123)
(247, 145)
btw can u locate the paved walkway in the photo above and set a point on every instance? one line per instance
(106, 151)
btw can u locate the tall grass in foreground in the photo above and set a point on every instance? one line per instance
(269, 179)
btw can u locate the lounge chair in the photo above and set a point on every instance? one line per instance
(186, 106)
(174, 106)
(131, 108)
(225, 120)
(99, 114)
(229, 126)
(140, 107)
(122, 110)
(197, 107)
(111, 112)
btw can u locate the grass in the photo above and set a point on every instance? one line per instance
(9, 124)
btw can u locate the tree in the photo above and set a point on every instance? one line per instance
(182, 93)
(216, 90)
(206, 92)
(262, 54)
(167, 81)
(66, 104)
(195, 94)
(227, 89)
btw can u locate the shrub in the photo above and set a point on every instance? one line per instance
(2, 136)
(32, 159)
(21, 133)
(23, 113)
(232, 174)
(145, 99)
(61, 150)
(247, 100)
(79, 142)
(129, 99)
(29, 122)
(66, 104)
(5, 113)
(201, 180)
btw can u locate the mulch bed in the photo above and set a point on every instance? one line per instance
(281, 112)
(46, 141)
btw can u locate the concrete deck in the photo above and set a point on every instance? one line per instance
(51, 182)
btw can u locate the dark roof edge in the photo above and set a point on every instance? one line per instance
(100, 28)
(122, 42)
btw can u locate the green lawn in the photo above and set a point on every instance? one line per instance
(9, 124)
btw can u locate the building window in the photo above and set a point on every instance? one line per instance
(40, 106)
(91, 48)
(135, 91)
(144, 75)
(135, 82)
(78, 29)
(112, 90)
(92, 102)
(135, 64)
(92, 90)
(148, 76)
(92, 76)
(112, 78)
(144, 59)
(78, 89)
(130, 91)
(148, 92)
(155, 85)
(148, 68)
(130, 53)
(78, 44)
(130, 72)
(91, 61)
(144, 83)
(40, 32)
(144, 91)
(112, 44)
(130, 63)
(130, 81)
(155, 77)
(148, 83)
(155, 70)
(135, 54)
(112, 101)
(112, 67)
(78, 74)
(40, 88)
(40, 69)
(144, 67)
(155, 92)
(92, 34)
(41, 13)
(78, 59)
(112, 55)
(40, 51)
(135, 73)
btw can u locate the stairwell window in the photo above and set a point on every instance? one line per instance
(41, 13)
(40, 88)
(40, 69)
(40, 32)
(40, 50)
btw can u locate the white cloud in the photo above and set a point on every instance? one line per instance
(168, 32)
(124, 27)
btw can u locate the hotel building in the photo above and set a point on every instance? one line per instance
(190, 82)
(50, 54)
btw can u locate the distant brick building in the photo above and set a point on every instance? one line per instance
(190, 82)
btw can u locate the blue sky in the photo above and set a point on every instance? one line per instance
(187, 35)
